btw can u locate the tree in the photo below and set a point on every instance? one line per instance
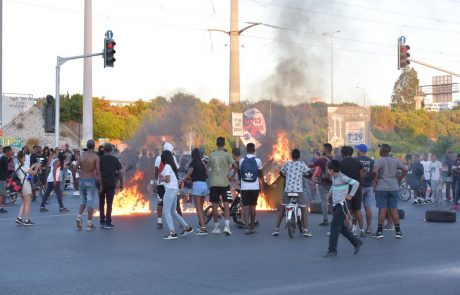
(405, 89)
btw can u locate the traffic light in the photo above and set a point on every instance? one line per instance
(49, 114)
(403, 56)
(109, 52)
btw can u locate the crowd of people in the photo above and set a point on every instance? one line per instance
(347, 183)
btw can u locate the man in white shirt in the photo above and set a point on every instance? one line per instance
(426, 174)
(435, 167)
(250, 174)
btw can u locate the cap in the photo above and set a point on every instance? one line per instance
(361, 148)
(168, 147)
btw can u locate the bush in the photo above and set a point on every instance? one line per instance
(33, 141)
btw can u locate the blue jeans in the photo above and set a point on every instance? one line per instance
(387, 199)
(169, 208)
(323, 192)
(88, 191)
(62, 177)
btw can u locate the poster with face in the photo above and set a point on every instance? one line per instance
(254, 127)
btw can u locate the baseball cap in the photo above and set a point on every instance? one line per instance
(361, 148)
(168, 147)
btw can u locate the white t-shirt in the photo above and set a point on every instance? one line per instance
(173, 183)
(435, 168)
(426, 169)
(246, 186)
(158, 162)
(58, 172)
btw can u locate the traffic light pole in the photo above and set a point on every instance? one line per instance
(59, 63)
(433, 67)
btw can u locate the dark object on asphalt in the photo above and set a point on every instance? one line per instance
(315, 208)
(440, 216)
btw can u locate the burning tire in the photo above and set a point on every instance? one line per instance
(440, 216)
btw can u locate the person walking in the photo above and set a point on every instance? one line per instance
(54, 183)
(111, 170)
(198, 172)
(324, 180)
(5, 162)
(23, 171)
(435, 179)
(169, 179)
(367, 190)
(387, 189)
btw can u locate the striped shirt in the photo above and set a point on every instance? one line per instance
(340, 187)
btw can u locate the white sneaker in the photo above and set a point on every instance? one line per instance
(216, 230)
(355, 230)
(227, 230)
(76, 193)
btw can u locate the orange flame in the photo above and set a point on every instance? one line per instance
(130, 200)
(281, 151)
(262, 203)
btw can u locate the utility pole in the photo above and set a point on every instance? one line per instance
(332, 63)
(87, 74)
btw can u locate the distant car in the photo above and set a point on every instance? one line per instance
(68, 178)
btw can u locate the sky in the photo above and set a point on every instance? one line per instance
(164, 46)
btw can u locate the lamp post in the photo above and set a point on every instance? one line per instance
(332, 63)
(364, 94)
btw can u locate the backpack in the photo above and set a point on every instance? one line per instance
(324, 174)
(249, 171)
(14, 183)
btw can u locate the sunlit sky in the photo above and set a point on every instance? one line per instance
(163, 46)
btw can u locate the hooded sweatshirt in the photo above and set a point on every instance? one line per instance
(340, 187)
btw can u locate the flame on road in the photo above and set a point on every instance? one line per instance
(130, 200)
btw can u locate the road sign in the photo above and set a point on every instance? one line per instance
(402, 40)
(109, 34)
(237, 124)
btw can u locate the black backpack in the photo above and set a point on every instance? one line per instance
(249, 171)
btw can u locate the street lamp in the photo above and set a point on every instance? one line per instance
(332, 63)
(364, 94)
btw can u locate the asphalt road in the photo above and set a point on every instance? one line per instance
(55, 258)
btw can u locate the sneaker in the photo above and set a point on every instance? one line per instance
(276, 232)
(216, 231)
(324, 223)
(253, 231)
(247, 231)
(90, 227)
(19, 221)
(330, 254)
(28, 222)
(227, 230)
(2, 210)
(358, 246)
(109, 226)
(388, 227)
(43, 209)
(328, 233)
(307, 233)
(64, 209)
(186, 231)
(101, 224)
(201, 231)
(159, 225)
(76, 193)
(355, 231)
(170, 236)
(378, 235)
(79, 223)
(362, 234)
(398, 235)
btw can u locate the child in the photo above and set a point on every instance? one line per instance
(340, 195)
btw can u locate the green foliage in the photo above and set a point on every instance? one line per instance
(405, 89)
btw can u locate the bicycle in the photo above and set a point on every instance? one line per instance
(293, 215)
(405, 193)
(10, 197)
(38, 190)
(235, 210)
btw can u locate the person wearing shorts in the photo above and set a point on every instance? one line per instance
(387, 189)
(250, 188)
(367, 190)
(294, 171)
(197, 171)
(220, 163)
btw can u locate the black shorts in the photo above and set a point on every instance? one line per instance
(250, 197)
(216, 191)
(357, 200)
(160, 193)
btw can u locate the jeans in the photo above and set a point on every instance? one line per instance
(323, 192)
(457, 191)
(169, 208)
(88, 192)
(57, 190)
(62, 178)
(106, 196)
(338, 226)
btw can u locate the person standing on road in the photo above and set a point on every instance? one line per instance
(54, 183)
(426, 174)
(367, 190)
(387, 189)
(435, 179)
(5, 161)
(250, 171)
(110, 169)
(220, 163)
(294, 171)
(65, 165)
(23, 171)
(324, 180)
(168, 178)
(341, 194)
(197, 171)
(75, 172)
(415, 179)
(456, 175)
(89, 175)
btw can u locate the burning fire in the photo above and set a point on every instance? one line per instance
(262, 204)
(281, 153)
(130, 200)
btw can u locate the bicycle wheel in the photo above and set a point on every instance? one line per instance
(299, 220)
(208, 214)
(405, 194)
(236, 213)
(291, 226)
(10, 198)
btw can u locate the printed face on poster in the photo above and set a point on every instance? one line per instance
(254, 127)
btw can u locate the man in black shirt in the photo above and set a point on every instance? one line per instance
(352, 168)
(415, 179)
(111, 169)
(5, 172)
(367, 190)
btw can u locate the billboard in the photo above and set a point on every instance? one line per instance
(14, 105)
(348, 126)
(237, 124)
(254, 127)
